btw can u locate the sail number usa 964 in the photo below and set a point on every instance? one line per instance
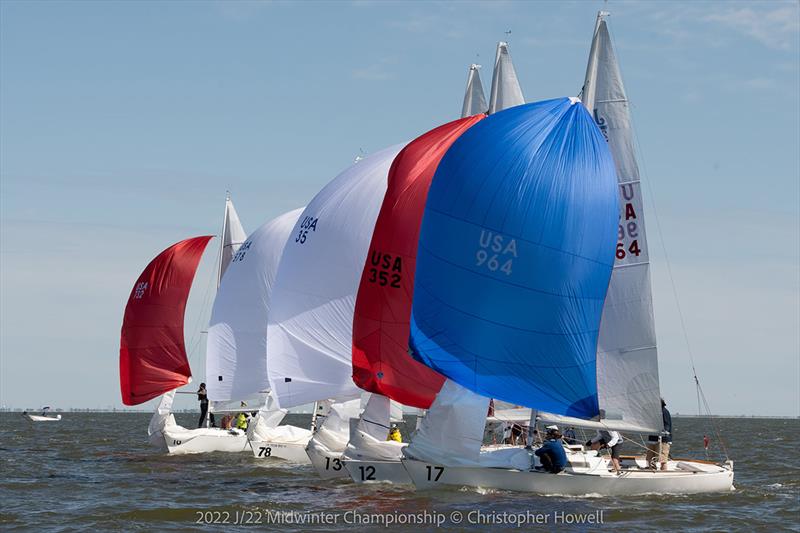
(631, 242)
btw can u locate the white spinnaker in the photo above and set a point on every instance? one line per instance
(474, 99)
(233, 235)
(310, 325)
(368, 434)
(163, 415)
(451, 433)
(236, 351)
(627, 359)
(506, 91)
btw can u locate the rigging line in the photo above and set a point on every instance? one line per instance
(196, 335)
(669, 266)
(651, 193)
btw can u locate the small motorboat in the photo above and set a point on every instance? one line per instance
(43, 417)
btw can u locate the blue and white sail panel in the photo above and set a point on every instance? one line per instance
(515, 255)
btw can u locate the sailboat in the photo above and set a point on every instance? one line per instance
(44, 417)
(381, 363)
(153, 360)
(547, 267)
(236, 355)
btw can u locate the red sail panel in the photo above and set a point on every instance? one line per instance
(381, 362)
(152, 354)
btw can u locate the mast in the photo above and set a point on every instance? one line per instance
(590, 79)
(506, 91)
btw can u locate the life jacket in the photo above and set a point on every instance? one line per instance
(241, 421)
(395, 435)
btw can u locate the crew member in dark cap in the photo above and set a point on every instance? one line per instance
(551, 454)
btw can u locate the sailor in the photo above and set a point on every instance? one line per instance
(653, 448)
(241, 422)
(202, 397)
(569, 435)
(394, 434)
(551, 454)
(611, 440)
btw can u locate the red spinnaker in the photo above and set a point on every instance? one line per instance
(381, 362)
(152, 354)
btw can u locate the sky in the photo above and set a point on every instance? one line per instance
(122, 124)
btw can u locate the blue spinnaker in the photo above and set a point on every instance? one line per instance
(515, 255)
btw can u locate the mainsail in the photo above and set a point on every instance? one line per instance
(233, 235)
(506, 91)
(474, 99)
(236, 352)
(515, 254)
(152, 354)
(381, 362)
(627, 359)
(310, 324)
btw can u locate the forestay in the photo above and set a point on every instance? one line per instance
(515, 255)
(310, 324)
(152, 353)
(236, 354)
(627, 358)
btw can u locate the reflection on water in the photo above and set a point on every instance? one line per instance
(95, 470)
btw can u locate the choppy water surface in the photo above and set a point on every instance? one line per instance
(96, 470)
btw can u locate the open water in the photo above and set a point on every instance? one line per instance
(96, 471)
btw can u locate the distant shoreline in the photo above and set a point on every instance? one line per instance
(195, 411)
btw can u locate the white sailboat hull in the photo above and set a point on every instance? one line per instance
(703, 478)
(40, 418)
(386, 471)
(179, 440)
(328, 464)
(293, 452)
(377, 471)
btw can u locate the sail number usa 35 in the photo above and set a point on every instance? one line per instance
(308, 226)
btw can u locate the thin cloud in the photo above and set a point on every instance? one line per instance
(776, 28)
